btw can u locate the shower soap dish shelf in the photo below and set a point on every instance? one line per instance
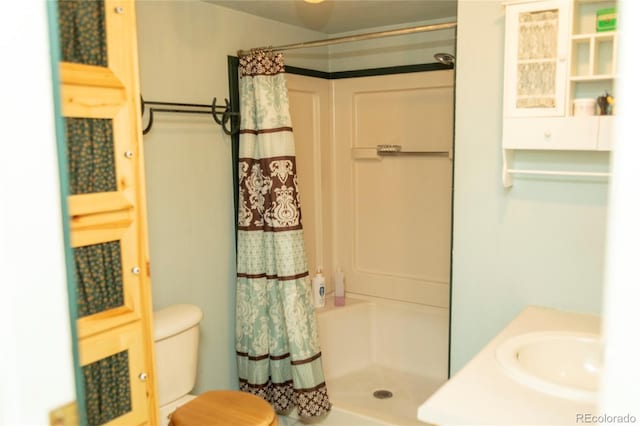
(387, 150)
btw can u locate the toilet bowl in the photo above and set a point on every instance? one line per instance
(176, 330)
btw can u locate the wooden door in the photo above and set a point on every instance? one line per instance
(101, 105)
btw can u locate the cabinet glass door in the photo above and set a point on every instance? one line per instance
(537, 40)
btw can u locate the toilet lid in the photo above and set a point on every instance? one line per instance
(224, 408)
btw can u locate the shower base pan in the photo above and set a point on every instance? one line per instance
(359, 392)
(354, 402)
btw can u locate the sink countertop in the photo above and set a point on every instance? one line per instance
(481, 393)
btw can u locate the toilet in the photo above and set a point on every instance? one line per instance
(176, 330)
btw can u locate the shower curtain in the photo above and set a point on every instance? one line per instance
(277, 343)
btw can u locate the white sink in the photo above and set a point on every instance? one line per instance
(563, 364)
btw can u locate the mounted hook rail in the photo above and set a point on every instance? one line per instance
(221, 114)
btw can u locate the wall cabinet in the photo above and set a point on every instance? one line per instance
(553, 56)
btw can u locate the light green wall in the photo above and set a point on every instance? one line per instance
(183, 48)
(540, 242)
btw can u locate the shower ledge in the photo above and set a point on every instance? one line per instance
(481, 392)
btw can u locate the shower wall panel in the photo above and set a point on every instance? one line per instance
(384, 220)
(310, 106)
(393, 213)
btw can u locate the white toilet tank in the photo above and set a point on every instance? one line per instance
(176, 336)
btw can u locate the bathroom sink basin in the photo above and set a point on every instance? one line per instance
(562, 364)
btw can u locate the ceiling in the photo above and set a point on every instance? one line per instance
(337, 16)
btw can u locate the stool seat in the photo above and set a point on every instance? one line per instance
(225, 408)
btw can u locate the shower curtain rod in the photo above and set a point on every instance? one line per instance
(357, 37)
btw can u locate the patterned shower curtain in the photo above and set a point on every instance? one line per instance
(277, 343)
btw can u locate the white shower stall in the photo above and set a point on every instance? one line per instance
(385, 220)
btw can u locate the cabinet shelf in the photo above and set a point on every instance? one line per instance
(593, 77)
(606, 35)
(593, 56)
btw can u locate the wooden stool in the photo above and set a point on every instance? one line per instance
(225, 408)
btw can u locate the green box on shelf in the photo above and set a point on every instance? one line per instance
(606, 19)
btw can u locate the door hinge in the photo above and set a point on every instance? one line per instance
(65, 415)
